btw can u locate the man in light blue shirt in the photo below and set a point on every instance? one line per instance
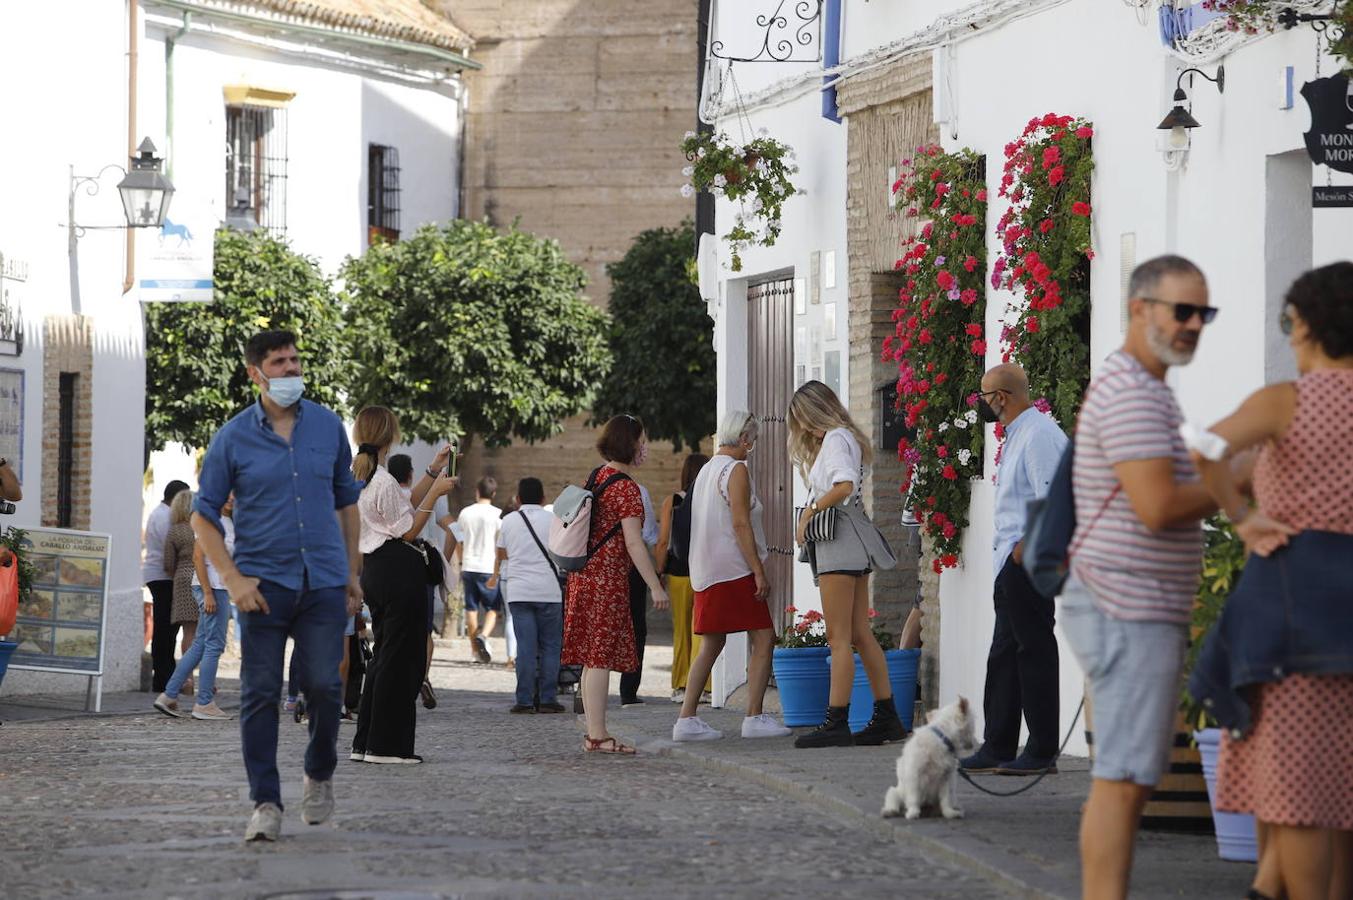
(1022, 665)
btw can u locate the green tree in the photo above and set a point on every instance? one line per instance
(662, 340)
(195, 378)
(462, 329)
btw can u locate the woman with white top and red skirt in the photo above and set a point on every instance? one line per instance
(394, 581)
(728, 548)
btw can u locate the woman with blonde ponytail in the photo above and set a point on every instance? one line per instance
(831, 454)
(394, 580)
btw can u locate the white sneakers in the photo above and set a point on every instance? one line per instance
(169, 706)
(317, 801)
(763, 726)
(679, 695)
(694, 729)
(265, 824)
(210, 713)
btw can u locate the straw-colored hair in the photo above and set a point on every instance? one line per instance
(378, 427)
(815, 407)
(181, 507)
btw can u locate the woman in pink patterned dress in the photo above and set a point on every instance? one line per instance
(598, 629)
(1294, 770)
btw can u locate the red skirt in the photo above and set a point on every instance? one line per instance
(729, 607)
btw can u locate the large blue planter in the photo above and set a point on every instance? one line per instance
(803, 678)
(902, 665)
(7, 649)
(1236, 838)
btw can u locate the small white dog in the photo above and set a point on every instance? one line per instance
(927, 770)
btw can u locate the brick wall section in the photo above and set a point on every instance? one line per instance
(888, 115)
(68, 346)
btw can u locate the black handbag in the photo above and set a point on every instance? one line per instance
(821, 527)
(433, 563)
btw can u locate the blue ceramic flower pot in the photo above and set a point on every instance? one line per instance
(7, 649)
(1236, 838)
(902, 665)
(803, 678)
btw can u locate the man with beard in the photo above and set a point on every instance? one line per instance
(1135, 559)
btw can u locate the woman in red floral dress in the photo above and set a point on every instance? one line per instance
(598, 630)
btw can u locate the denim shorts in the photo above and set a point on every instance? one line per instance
(1133, 675)
(478, 596)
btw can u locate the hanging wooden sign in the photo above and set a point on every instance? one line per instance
(1330, 196)
(1330, 140)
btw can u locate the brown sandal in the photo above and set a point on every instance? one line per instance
(607, 745)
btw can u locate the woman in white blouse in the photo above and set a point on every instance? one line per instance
(831, 453)
(394, 580)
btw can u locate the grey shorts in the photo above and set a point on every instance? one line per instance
(1133, 672)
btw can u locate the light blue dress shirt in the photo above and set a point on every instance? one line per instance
(1033, 446)
(650, 532)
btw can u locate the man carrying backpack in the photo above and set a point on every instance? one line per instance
(673, 552)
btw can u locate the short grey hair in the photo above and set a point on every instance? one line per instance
(1146, 277)
(736, 425)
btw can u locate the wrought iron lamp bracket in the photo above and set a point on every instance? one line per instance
(91, 186)
(791, 34)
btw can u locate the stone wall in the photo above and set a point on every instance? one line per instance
(68, 347)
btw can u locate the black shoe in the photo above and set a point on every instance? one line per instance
(522, 709)
(1025, 764)
(981, 762)
(833, 732)
(550, 708)
(481, 650)
(884, 726)
(429, 698)
(631, 701)
(578, 703)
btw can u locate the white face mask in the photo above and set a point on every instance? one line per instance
(285, 390)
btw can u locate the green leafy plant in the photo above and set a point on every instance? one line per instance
(756, 171)
(1223, 562)
(16, 539)
(195, 378)
(939, 341)
(662, 342)
(466, 330)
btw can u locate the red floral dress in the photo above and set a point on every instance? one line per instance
(598, 631)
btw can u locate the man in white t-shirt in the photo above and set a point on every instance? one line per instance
(535, 599)
(479, 524)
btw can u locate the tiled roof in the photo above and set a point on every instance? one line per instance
(402, 20)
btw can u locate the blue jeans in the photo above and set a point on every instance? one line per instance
(540, 633)
(208, 644)
(314, 619)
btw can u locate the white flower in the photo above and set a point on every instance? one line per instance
(773, 224)
(964, 456)
(688, 171)
(720, 180)
(687, 191)
(699, 152)
(960, 422)
(944, 426)
(971, 416)
(689, 135)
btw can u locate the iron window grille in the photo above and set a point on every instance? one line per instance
(65, 449)
(256, 164)
(382, 193)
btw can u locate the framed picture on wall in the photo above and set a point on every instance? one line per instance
(11, 418)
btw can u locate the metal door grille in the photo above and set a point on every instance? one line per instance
(770, 359)
(256, 163)
(382, 193)
(65, 449)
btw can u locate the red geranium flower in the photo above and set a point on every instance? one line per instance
(1056, 174)
(1080, 208)
(1085, 131)
(944, 279)
(974, 329)
(979, 347)
(1045, 226)
(950, 473)
(1031, 325)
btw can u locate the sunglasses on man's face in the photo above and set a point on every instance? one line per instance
(1183, 312)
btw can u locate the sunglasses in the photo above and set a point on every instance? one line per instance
(1285, 323)
(1183, 312)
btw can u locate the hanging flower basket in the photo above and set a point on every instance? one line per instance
(755, 173)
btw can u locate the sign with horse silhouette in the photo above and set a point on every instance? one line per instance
(175, 263)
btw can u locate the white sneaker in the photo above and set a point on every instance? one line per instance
(763, 726)
(679, 695)
(169, 706)
(694, 729)
(317, 801)
(211, 713)
(265, 824)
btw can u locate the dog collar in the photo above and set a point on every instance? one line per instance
(944, 737)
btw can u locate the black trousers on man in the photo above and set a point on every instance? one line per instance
(629, 681)
(164, 634)
(1021, 670)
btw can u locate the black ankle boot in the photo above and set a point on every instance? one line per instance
(884, 726)
(833, 732)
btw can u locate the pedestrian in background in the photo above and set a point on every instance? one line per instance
(394, 583)
(1022, 663)
(630, 681)
(213, 603)
(479, 524)
(831, 454)
(728, 551)
(295, 569)
(1135, 560)
(400, 467)
(179, 548)
(1289, 770)
(598, 627)
(534, 595)
(673, 562)
(161, 587)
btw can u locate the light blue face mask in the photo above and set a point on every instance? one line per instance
(286, 390)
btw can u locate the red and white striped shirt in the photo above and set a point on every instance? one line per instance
(1132, 572)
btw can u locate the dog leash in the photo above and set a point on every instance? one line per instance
(1042, 774)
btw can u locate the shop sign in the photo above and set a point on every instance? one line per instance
(1330, 140)
(1332, 195)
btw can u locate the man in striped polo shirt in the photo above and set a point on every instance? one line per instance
(1137, 553)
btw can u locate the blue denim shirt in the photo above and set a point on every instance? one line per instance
(1033, 448)
(286, 495)
(1291, 612)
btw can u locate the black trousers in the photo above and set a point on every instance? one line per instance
(164, 637)
(629, 681)
(394, 579)
(1021, 669)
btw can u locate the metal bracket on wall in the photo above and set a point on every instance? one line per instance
(784, 33)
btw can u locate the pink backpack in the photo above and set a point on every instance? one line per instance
(570, 544)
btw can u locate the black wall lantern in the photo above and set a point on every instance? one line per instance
(1179, 120)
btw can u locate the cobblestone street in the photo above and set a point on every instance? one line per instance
(505, 806)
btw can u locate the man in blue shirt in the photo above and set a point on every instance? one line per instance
(1022, 664)
(295, 569)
